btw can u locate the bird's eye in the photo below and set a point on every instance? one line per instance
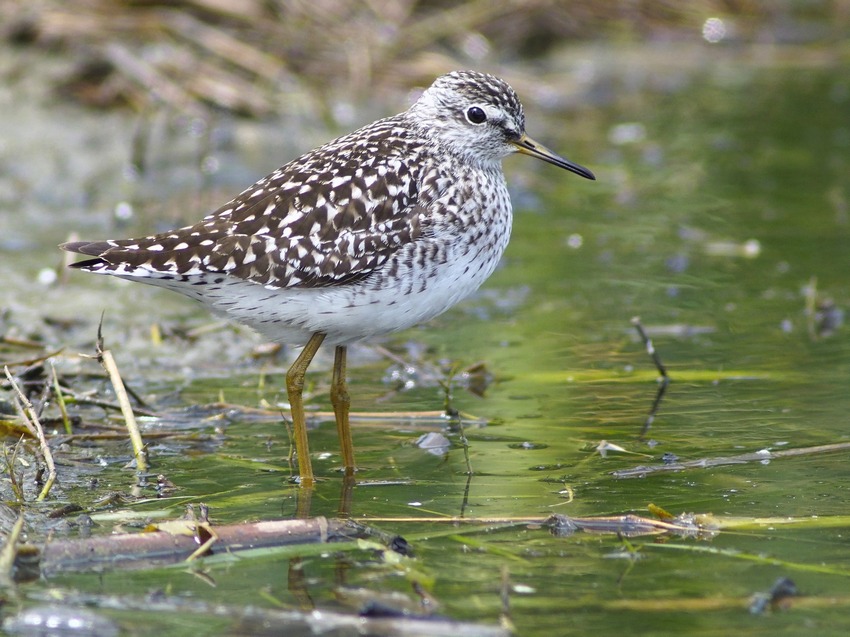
(476, 115)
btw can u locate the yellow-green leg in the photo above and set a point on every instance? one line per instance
(341, 402)
(295, 388)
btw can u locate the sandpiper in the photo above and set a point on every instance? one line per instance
(374, 232)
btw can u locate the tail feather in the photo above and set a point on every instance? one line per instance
(108, 259)
(91, 248)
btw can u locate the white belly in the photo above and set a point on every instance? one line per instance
(361, 310)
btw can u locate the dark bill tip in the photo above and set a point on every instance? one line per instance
(528, 146)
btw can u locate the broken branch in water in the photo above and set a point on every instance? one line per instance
(104, 356)
(707, 463)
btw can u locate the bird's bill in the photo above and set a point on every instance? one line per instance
(528, 146)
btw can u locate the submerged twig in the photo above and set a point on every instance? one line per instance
(757, 557)
(665, 379)
(30, 361)
(81, 399)
(627, 525)
(810, 292)
(221, 43)
(457, 423)
(707, 463)
(9, 551)
(60, 400)
(14, 483)
(253, 620)
(30, 418)
(106, 359)
(171, 543)
(505, 615)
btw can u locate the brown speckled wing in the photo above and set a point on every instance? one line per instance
(329, 217)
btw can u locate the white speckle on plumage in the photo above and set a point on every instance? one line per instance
(291, 217)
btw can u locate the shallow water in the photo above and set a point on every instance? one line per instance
(721, 199)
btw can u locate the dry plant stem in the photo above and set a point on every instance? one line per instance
(626, 525)
(9, 551)
(439, 24)
(150, 79)
(32, 423)
(367, 418)
(108, 362)
(20, 342)
(80, 399)
(220, 43)
(118, 435)
(104, 356)
(30, 361)
(203, 549)
(14, 482)
(134, 550)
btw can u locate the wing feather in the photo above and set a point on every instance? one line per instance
(330, 217)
